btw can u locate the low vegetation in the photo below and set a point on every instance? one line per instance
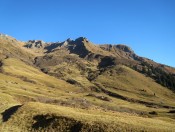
(162, 77)
(45, 117)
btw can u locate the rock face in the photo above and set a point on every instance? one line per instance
(35, 44)
(124, 48)
(121, 51)
(84, 48)
(109, 47)
(79, 47)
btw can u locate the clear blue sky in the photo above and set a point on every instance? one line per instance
(147, 26)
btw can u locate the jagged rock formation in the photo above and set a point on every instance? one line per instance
(35, 44)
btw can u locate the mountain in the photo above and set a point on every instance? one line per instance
(76, 85)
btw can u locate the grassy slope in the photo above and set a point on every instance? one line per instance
(10, 47)
(91, 120)
(21, 83)
(132, 84)
(19, 69)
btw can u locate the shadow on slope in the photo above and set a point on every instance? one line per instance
(59, 123)
(9, 112)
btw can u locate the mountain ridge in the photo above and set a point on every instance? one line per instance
(105, 55)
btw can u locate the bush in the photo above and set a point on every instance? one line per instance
(153, 113)
(171, 111)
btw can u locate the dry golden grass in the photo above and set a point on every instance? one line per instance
(23, 119)
(132, 84)
(10, 47)
(19, 69)
(21, 83)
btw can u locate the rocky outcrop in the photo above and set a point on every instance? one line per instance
(35, 44)
(124, 48)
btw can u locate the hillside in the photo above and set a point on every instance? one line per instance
(76, 85)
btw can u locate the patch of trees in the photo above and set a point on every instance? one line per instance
(158, 74)
(107, 61)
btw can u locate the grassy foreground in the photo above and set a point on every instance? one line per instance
(45, 117)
